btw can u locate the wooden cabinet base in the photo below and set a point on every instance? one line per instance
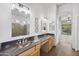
(46, 46)
(28, 52)
(36, 53)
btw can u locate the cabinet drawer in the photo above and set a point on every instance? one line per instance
(28, 52)
(36, 53)
(38, 46)
(44, 42)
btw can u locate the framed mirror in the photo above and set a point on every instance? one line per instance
(20, 21)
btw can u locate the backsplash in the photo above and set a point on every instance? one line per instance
(9, 44)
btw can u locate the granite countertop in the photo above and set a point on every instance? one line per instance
(14, 51)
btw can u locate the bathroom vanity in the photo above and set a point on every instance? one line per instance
(28, 46)
(45, 44)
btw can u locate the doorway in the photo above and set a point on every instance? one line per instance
(65, 29)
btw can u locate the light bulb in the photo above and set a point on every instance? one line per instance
(13, 6)
(17, 21)
(23, 23)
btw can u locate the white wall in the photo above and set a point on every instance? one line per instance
(77, 27)
(75, 31)
(42, 10)
(5, 22)
(37, 10)
(74, 27)
(53, 18)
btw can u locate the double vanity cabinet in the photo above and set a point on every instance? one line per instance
(30, 46)
(33, 51)
(45, 45)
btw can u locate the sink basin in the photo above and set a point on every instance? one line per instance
(35, 40)
(28, 44)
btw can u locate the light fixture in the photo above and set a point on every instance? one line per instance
(23, 23)
(24, 8)
(13, 6)
(17, 21)
(21, 8)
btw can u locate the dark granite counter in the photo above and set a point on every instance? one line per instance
(14, 51)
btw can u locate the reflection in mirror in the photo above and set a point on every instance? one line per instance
(43, 26)
(36, 25)
(20, 23)
(51, 27)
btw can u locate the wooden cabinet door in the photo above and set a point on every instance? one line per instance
(44, 42)
(38, 47)
(37, 50)
(28, 52)
(44, 46)
(53, 41)
(50, 43)
(35, 53)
